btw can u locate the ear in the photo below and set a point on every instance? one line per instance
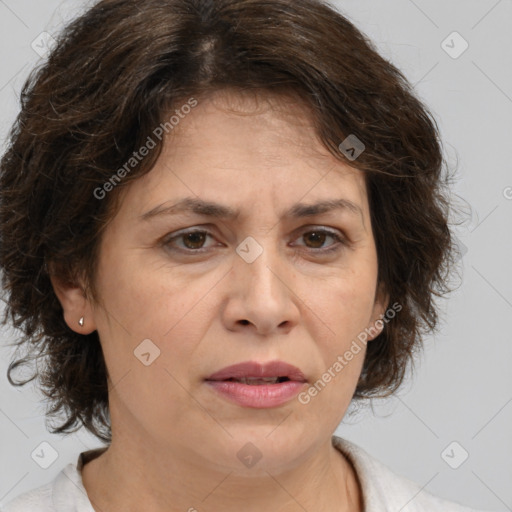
(379, 308)
(75, 305)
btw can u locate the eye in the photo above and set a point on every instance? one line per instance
(192, 241)
(318, 236)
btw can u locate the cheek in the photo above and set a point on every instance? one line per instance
(347, 312)
(141, 303)
(148, 328)
(136, 295)
(345, 304)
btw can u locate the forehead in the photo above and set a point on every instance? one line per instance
(238, 149)
(274, 127)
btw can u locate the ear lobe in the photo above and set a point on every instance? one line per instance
(75, 305)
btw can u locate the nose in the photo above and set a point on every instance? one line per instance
(261, 295)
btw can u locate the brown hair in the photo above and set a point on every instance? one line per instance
(115, 74)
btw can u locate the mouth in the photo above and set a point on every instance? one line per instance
(254, 373)
(258, 385)
(251, 381)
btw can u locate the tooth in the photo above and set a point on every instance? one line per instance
(256, 381)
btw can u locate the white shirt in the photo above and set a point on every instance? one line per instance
(383, 490)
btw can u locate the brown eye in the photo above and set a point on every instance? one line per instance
(194, 240)
(189, 241)
(316, 238)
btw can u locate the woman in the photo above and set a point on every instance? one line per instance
(221, 223)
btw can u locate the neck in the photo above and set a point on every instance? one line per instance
(136, 474)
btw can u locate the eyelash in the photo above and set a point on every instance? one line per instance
(334, 248)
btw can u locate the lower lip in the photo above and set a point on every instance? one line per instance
(259, 396)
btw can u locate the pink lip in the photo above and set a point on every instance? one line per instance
(254, 369)
(260, 395)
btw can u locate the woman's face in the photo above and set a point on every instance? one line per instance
(269, 283)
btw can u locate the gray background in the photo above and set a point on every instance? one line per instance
(461, 390)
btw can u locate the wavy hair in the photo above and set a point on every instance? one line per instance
(115, 74)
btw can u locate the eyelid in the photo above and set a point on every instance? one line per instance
(339, 237)
(183, 232)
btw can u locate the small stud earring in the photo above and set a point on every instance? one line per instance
(81, 322)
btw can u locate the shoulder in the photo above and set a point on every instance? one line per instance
(385, 490)
(64, 493)
(39, 499)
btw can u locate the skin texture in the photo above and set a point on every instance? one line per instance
(175, 441)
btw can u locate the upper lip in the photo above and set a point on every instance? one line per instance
(253, 369)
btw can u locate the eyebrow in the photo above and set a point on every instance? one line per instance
(220, 211)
